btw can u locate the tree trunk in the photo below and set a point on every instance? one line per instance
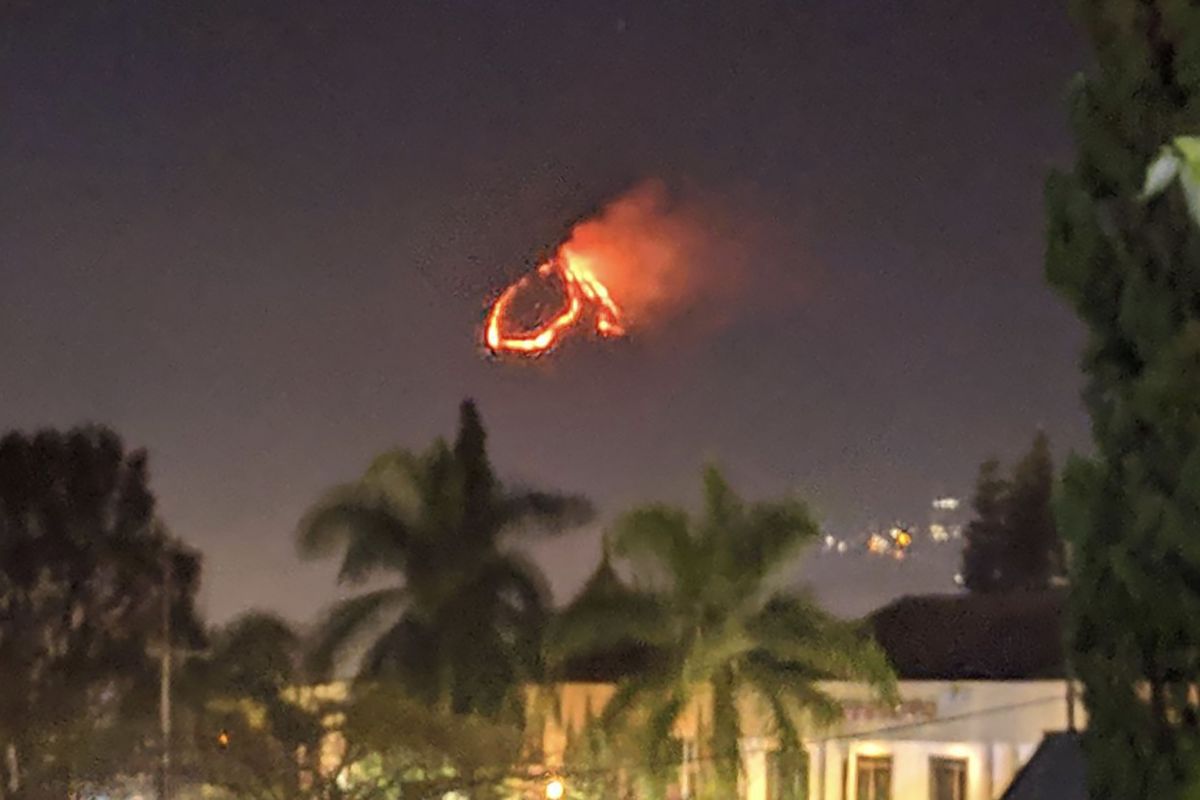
(11, 789)
(726, 758)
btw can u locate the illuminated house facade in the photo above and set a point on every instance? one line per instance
(948, 740)
(981, 684)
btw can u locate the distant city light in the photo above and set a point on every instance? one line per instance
(938, 533)
(878, 544)
(946, 503)
(842, 547)
(901, 537)
(958, 579)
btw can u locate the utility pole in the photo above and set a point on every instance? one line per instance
(164, 682)
(1071, 702)
(1072, 693)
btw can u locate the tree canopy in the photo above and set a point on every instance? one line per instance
(82, 564)
(1129, 265)
(461, 626)
(1013, 542)
(247, 725)
(720, 629)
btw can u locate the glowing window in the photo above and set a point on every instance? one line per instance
(947, 778)
(874, 776)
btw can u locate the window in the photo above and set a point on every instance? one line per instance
(874, 777)
(947, 778)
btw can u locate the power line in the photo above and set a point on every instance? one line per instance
(939, 720)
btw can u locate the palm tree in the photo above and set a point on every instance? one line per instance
(719, 631)
(461, 626)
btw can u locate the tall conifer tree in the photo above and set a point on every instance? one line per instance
(1130, 267)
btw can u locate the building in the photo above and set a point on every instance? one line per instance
(1057, 771)
(949, 740)
(982, 680)
(981, 683)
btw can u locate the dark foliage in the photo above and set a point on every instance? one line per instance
(1013, 542)
(708, 620)
(82, 561)
(1131, 270)
(462, 629)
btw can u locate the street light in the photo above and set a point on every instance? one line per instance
(555, 790)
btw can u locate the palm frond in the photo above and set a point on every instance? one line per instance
(771, 535)
(659, 728)
(395, 476)
(790, 689)
(722, 506)
(657, 535)
(368, 529)
(519, 581)
(715, 650)
(511, 593)
(631, 694)
(786, 731)
(793, 630)
(345, 622)
(532, 511)
(411, 653)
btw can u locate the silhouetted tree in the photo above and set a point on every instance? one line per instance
(1034, 547)
(254, 727)
(1013, 542)
(984, 562)
(1131, 270)
(249, 726)
(462, 628)
(82, 562)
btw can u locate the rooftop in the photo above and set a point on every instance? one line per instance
(1055, 772)
(1010, 636)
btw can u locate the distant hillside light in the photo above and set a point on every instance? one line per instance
(555, 790)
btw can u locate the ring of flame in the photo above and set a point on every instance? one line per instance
(582, 290)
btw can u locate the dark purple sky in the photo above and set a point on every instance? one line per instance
(256, 239)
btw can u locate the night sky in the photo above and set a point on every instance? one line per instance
(258, 238)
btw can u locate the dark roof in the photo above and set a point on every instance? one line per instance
(1055, 772)
(612, 664)
(1009, 636)
(604, 584)
(608, 666)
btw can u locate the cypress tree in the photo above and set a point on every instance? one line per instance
(1130, 267)
(1032, 548)
(983, 556)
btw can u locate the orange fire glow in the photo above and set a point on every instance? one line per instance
(645, 256)
(583, 292)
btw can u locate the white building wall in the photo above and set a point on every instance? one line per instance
(993, 725)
